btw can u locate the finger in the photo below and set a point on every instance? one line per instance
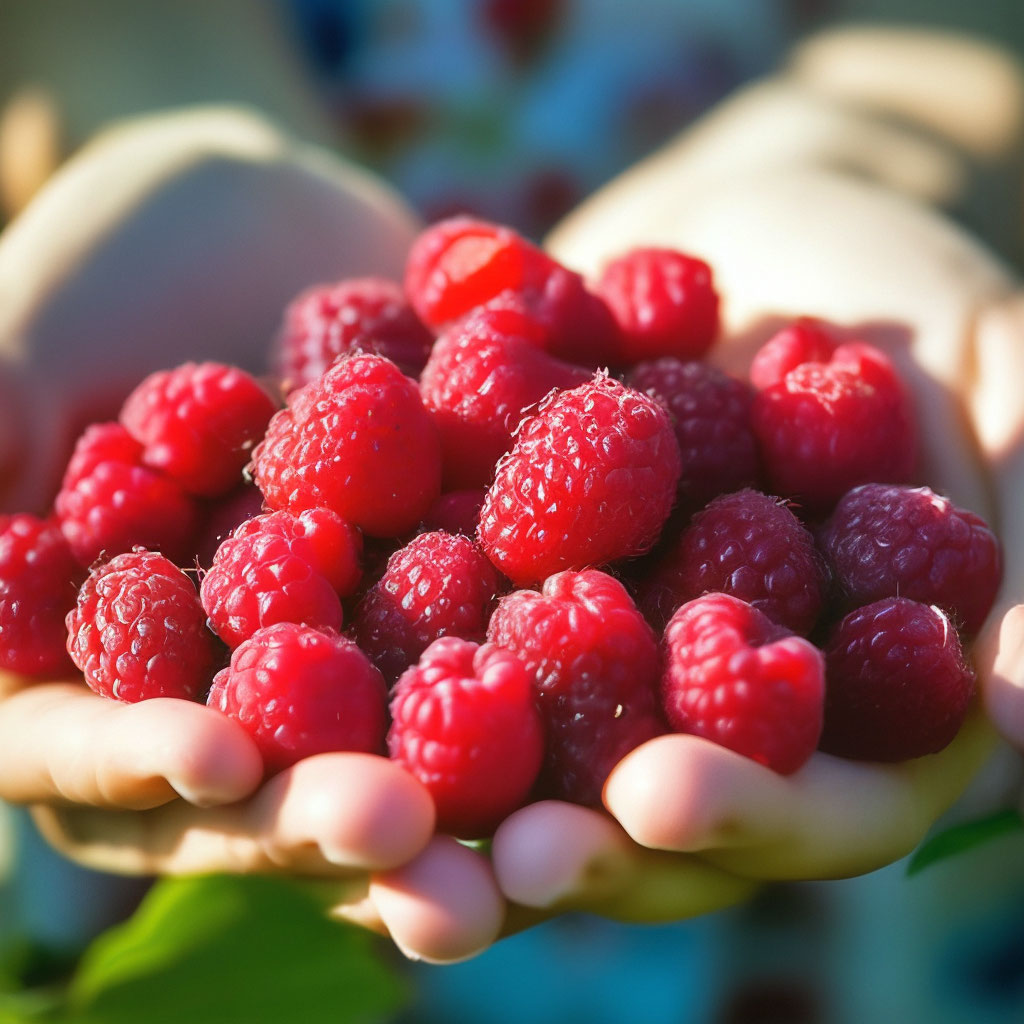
(328, 815)
(59, 741)
(1000, 660)
(443, 906)
(559, 857)
(832, 819)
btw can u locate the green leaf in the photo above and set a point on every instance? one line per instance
(225, 949)
(961, 838)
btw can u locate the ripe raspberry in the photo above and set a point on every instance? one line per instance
(366, 314)
(223, 517)
(117, 507)
(887, 541)
(357, 441)
(301, 691)
(101, 442)
(711, 415)
(483, 374)
(464, 723)
(898, 685)
(739, 679)
(437, 585)
(826, 427)
(747, 545)
(138, 630)
(281, 567)
(39, 579)
(198, 424)
(594, 664)
(806, 340)
(591, 478)
(455, 512)
(664, 302)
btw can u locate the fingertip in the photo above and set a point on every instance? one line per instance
(1000, 656)
(443, 906)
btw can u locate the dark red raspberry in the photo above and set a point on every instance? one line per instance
(301, 691)
(101, 442)
(898, 685)
(594, 665)
(39, 579)
(139, 630)
(884, 540)
(739, 679)
(437, 585)
(591, 479)
(198, 424)
(281, 567)
(464, 723)
(483, 374)
(826, 427)
(665, 304)
(365, 314)
(357, 441)
(118, 507)
(711, 415)
(222, 517)
(804, 341)
(750, 546)
(455, 512)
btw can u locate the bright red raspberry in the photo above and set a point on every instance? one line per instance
(711, 415)
(455, 512)
(357, 441)
(101, 442)
(591, 479)
(198, 424)
(39, 579)
(884, 540)
(806, 340)
(281, 567)
(222, 517)
(464, 723)
(483, 374)
(139, 631)
(750, 546)
(117, 507)
(739, 679)
(365, 314)
(301, 691)
(898, 685)
(594, 665)
(437, 585)
(664, 302)
(826, 427)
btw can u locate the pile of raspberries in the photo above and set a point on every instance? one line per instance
(506, 527)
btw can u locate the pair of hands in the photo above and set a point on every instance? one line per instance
(173, 787)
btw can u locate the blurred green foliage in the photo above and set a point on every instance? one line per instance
(963, 837)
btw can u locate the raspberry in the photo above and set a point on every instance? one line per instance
(826, 427)
(224, 516)
(664, 302)
(739, 679)
(591, 479)
(101, 442)
(437, 585)
(806, 340)
(464, 723)
(455, 512)
(198, 423)
(138, 630)
(898, 685)
(594, 665)
(39, 578)
(366, 314)
(887, 541)
(357, 441)
(711, 415)
(747, 545)
(482, 375)
(301, 691)
(281, 567)
(117, 507)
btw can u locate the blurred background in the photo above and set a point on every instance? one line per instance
(514, 110)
